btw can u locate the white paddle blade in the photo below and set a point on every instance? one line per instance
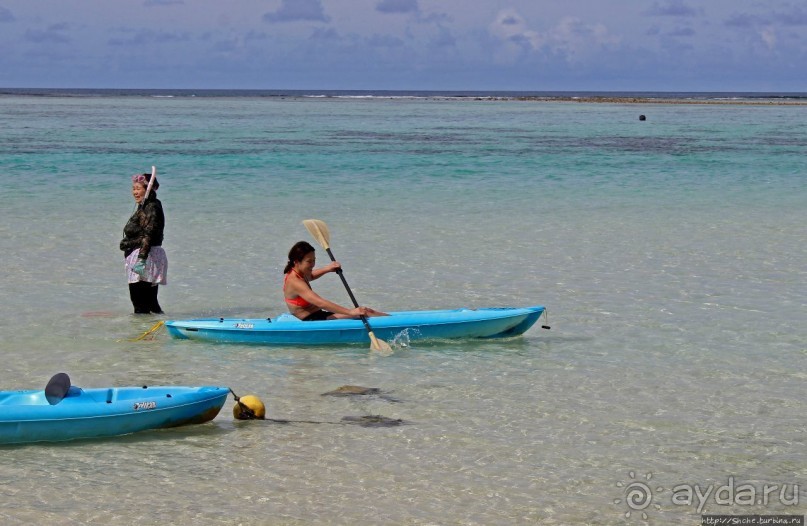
(379, 346)
(319, 231)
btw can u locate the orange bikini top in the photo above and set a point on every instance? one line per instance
(299, 301)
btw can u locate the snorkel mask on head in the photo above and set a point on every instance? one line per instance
(144, 180)
(150, 182)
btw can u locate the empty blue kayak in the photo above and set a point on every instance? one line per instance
(498, 322)
(35, 416)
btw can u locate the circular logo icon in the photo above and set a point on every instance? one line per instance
(638, 495)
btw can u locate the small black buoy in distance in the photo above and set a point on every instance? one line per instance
(642, 118)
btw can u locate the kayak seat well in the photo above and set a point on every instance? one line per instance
(23, 398)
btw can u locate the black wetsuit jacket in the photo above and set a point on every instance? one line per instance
(144, 229)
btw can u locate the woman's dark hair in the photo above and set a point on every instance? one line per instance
(156, 184)
(297, 253)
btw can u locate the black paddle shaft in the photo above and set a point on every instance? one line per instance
(344, 281)
(349, 292)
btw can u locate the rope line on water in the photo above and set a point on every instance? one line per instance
(152, 330)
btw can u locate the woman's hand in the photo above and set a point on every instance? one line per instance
(358, 311)
(139, 268)
(332, 267)
(366, 311)
(321, 271)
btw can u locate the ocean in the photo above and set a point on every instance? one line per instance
(670, 253)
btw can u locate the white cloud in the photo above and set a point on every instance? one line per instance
(149, 3)
(54, 34)
(768, 36)
(6, 15)
(397, 6)
(573, 39)
(672, 8)
(298, 10)
(512, 28)
(570, 39)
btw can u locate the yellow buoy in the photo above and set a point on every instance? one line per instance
(249, 407)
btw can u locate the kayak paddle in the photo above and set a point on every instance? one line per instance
(319, 230)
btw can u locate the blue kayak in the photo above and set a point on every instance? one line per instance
(35, 416)
(499, 322)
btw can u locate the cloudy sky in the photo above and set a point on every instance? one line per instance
(533, 45)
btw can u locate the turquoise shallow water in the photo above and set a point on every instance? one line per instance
(670, 254)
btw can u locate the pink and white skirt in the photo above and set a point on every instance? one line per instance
(156, 267)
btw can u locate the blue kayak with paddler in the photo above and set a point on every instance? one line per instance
(402, 326)
(285, 329)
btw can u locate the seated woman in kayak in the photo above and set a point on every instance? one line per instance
(303, 302)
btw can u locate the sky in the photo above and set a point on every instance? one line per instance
(508, 45)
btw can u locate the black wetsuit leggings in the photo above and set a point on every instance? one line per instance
(144, 297)
(318, 315)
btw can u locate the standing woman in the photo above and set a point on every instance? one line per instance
(146, 263)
